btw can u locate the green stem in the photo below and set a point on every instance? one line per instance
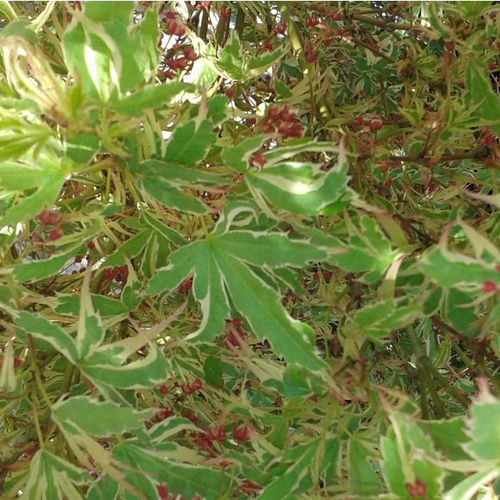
(427, 364)
(204, 25)
(426, 380)
(240, 22)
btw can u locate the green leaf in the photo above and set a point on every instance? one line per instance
(104, 366)
(381, 318)
(39, 269)
(190, 142)
(255, 66)
(171, 196)
(469, 487)
(21, 28)
(105, 306)
(128, 250)
(52, 477)
(97, 418)
(363, 480)
(268, 249)
(238, 157)
(216, 265)
(33, 204)
(182, 479)
(261, 307)
(287, 483)
(448, 436)
(407, 456)
(230, 60)
(485, 428)
(479, 86)
(82, 147)
(455, 270)
(212, 369)
(90, 332)
(108, 52)
(51, 333)
(182, 263)
(299, 188)
(209, 291)
(164, 230)
(149, 97)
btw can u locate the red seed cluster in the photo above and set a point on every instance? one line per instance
(179, 63)
(282, 120)
(190, 388)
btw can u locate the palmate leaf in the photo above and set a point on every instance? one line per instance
(181, 478)
(97, 418)
(221, 267)
(297, 187)
(464, 272)
(232, 63)
(38, 269)
(52, 477)
(108, 52)
(408, 454)
(381, 318)
(104, 364)
(166, 181)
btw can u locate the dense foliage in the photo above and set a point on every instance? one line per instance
(249, 250)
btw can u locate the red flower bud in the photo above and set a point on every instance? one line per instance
(280, 28)
(163, 389)
(187, 389)
(240, 434)
(489, 286)
(310, 57)
(217, 433)
(50, 218)
(175, 28)
(311, 21)
(197, 384)
(336, 15)
(189, 414)
(190, 54)
(55, 234)
(163, 492)
(186, 285)
(267, 45)
(230, 92)
(224, 13)
(376, 124)
(182, 62)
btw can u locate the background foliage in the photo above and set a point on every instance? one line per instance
(249, 250)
